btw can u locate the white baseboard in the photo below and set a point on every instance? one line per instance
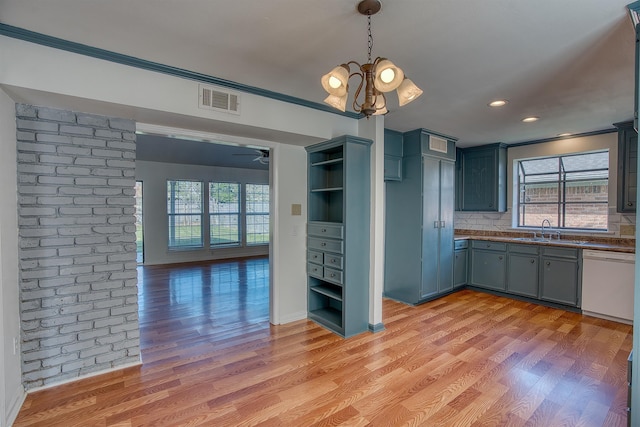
(293, 317)
(14, 407)
(92, 374)
(607, 317)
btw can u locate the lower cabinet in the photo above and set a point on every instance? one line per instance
(522, 270)
(560, 279)
(488, 265)
(546, 273)
(460, 263)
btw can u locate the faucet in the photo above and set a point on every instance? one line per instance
(542, 227)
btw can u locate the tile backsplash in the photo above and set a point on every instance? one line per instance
(620, 225)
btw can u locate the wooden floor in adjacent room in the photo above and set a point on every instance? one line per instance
(469, 359)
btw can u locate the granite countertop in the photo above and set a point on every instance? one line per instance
(570, 241)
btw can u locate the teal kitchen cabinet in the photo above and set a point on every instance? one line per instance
(338, 234)
(522, 270)
(627, 167)
(484, 178)
(419, 247)
(392, 155)
(560, 281)
(460, 263)
(488, 265)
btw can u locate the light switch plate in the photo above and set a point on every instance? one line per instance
(296, 209)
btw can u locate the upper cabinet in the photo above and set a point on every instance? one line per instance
(392, 155)
(483, 174)
(627, 166)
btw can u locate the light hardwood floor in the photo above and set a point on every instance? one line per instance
(469, 359)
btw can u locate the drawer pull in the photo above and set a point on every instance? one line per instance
(333, 274)
(548, 262)
(323, 244)
(324, 230)
(532, 261)
(500, 257)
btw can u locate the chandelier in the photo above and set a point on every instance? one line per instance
(378, 77)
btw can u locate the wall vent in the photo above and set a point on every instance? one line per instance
(211, 98)
(437, 144)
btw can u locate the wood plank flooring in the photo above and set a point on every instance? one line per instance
(469, 359)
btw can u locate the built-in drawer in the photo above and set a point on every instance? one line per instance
(335, 261)
(332, 275)
(524, 249)
(315, 257)
(325, 245)
(560, 252)
(461, 244)
(485, 244)
(315, 270)
(324, 229)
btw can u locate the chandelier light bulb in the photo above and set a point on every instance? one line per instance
(387, 75)
(334, 82)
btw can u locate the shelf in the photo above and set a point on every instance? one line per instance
(329, 316)
(319, 190)
(327, 162)
(331, 291)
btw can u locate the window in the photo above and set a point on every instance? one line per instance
(184, 209)
(139, 229)
(257, 213)
(570, 191)
(224, 213)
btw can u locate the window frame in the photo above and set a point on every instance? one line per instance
(248, 214)
(238, 215)
(171, 241)
(561, 182)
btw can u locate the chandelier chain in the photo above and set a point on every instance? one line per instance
(370, 39)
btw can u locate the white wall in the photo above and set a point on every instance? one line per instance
(154, 178)
(289, 273)
(11, 390)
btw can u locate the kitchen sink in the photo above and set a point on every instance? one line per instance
(552, 241)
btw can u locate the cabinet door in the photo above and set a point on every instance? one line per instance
(479, 182)
(392, 168)
(522, 276)
(460, 268)
(430, 225)
(627, 169)
(447, 201)
(559, 281)
(488, 269)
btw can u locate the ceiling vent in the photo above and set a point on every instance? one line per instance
(437, 144)
(211, 98)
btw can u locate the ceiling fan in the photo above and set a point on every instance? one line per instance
(262, 158)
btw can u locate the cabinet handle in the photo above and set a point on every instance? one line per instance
(629, 204)
(490, 205)
(333, 274)
(488, 245)
(548, 262)
(442, 224)
(323, 244)
(436, 224)
(324, 230)
(500, 257)
(532, 261)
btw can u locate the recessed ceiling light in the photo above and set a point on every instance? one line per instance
(498, 103)
(531, 119)
(565, 134)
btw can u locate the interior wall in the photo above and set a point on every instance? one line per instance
(11, 390)
(288, 248)
(503, 221)
(154, 176)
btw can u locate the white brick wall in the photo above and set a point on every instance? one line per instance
(79, 307)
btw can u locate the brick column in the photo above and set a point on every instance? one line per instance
(78, 281)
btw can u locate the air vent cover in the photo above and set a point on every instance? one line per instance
(437, 144)
(212, 98)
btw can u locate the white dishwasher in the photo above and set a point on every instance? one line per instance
(607, 284)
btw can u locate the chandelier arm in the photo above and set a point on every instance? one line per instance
(384, 98)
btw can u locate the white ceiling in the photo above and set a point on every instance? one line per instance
(570, 62)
